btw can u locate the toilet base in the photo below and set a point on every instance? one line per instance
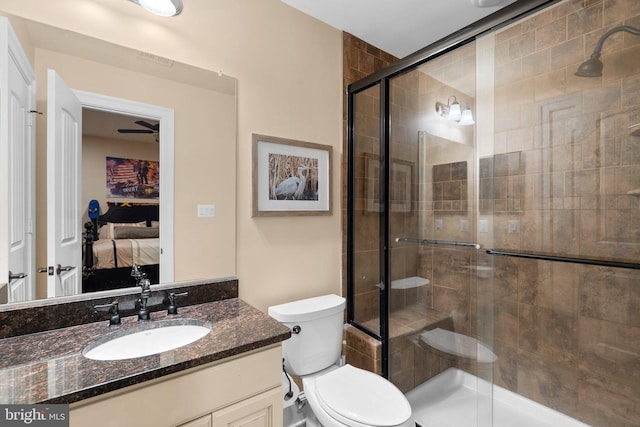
(303, 417)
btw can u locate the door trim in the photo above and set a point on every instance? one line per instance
(166, 118)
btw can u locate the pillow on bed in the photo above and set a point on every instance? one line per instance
(126, 232)
(106, 231)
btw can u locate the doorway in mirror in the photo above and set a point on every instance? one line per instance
(116, 166)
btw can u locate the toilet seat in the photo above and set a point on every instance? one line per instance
(357, 397)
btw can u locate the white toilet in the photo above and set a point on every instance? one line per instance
(338, 396)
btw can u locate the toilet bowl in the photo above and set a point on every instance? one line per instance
(349, 396)
(339, 396)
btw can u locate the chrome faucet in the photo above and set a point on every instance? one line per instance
(145, 284)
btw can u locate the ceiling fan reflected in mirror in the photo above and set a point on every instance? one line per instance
(149, 128)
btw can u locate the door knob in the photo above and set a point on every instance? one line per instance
(13, 276)
(60, 268)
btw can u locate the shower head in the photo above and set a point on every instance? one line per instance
(592, 67)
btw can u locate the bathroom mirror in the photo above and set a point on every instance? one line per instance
(203, 129)
(446, 182)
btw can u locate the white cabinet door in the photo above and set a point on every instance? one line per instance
(64, 159)
(263, 410)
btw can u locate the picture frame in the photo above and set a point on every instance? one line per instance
(400, 185)
(290, 177)
(132, 178)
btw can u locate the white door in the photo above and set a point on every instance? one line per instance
(64, 154)
(17, 188)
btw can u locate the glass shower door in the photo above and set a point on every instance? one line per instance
(440, 298)
(367, 212)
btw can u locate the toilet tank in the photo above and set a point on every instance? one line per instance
(318, 344)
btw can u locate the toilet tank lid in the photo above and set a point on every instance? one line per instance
(308, 309)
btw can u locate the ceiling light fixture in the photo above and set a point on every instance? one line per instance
(161, 7)
(485, 3)
(453, 111)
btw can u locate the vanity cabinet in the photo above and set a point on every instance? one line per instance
(242, 391)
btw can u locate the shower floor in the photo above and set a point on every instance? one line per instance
(451, 399)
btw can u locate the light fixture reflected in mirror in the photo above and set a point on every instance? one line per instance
(467, 117)
(161, 7)
(453, 111)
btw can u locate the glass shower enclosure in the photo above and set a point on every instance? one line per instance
(493, 218)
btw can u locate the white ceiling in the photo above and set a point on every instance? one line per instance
(399, 27)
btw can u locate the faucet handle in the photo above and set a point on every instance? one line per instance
(173, 309)
(144, 283)
(112, 309)
(135, 270)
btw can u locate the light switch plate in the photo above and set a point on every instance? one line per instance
(206, 211)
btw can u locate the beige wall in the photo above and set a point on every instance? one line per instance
(289, 71)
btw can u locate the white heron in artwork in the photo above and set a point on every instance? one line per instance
(292, 187)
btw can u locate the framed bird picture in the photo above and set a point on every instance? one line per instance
(290, 177)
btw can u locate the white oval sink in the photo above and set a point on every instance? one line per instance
(158, 337)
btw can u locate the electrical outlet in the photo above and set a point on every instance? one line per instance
(483, 226)
(438, 223)
(513, 226)
(464, 225)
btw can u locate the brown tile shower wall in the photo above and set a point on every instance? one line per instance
(568, 335)
(362, 351)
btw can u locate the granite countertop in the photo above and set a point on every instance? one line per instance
(48, 367)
